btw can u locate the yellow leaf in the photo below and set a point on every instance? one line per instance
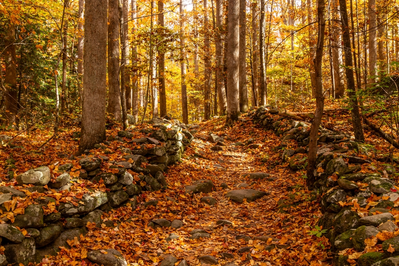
(371, 241)
(391, 249)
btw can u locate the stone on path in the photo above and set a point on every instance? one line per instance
(204, 186)
(176, 224)
(208, 260)
(209, 200)
(248, 194)
(169, 260)
(159, 223)
(107, 257)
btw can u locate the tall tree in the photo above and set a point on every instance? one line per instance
(335, 50)
(161, 62)
(134, 104)
(80, 46)
(114, 96)
(233, 70)
(219, 59)
(207, 67)
(262, 85)
(125, 84)
(350, 81)
(243, 57)
(255, 57)
(183, 67)
(372, 17)
(312, 154)
(94, 77)
(10, 78)
(64, 60)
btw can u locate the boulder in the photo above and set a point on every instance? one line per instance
(52, 217)
(22, 253)
(33, 217)
(394, 261)
(11, 233)
(347, 184)
(394, 242)
(107, 257)
(126, 179)
(151, 183)
(336, 165)
(159, 223)
(117, 198)
(208, 260)
(88, 203)
(361, 234)
(74, 223)
(204, 186)
(133, 190)
(176, 224)
(169, 260)
(369, 258)
(38, 176)
(60, 181)
(90, 163)
(344, 240)
(345, 220)
(330, 200)
(93, 217)
(107, 178)
(248, 194)
(388, 226)
(208, 200)
(13, 191)
(379, 185)
(376, 220)
(199, 233)
(5, 197)
(48, 235)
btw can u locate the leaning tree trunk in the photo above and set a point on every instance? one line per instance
(262, 85)
(10, 78)
(94, 77)
(312, 154)
(114, 98)
(356, 122)
(242, 62)
(233, 70)
(207, 69)
(219, 59)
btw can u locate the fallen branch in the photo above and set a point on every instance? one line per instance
(381, 133)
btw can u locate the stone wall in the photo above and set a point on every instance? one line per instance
(359, 203)
(54, 216)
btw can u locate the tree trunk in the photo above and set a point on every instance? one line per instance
(262, 86)
(336, 43)
(219, 59)
(312, 154)
(134, 105)
(255, 56)
(80, 49)
(380, 44)
(183, 67)
(233, 71)
(64, 61)
(207, 68)
(94, 77)
(125, 86)
(356, 120)
(114, 97)
(161, 63)
(243, 57)
(372, 40)
(10, 79)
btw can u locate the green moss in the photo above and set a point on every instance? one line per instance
(368, 259)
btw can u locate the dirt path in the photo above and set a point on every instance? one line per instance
(273, 230)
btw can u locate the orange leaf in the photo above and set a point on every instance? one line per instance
(371, 241)
(391, 249)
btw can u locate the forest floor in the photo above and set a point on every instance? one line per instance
(277, 229)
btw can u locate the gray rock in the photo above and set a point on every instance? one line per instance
(107, 257)
(159, 135)
(394, 242)
(89, 163)
(379, 185)
(393, 196)
(336, 165)
(154, 168)
(151, 203)
(126, 179)
(93, 217)
(60, 181)
(172, 236)
(183, 263)
(248, 194)
(344, 240)
(176, 224)
(347, 184)
(65, 167)
(375, 210)
(48, 234)
(359, 176)
(33, 217)
(215, 138)
(369, 258)
(13, 191)
(161, 179)
(390, 169)
(74, 223)
(3, 260)
(394, 261)
(223, 222)
(208, 260)
(33, 232)
(88, 203)
(244, 250)
(107, 178)
(387, 226)
(226, 255)
(38, 176)
(209, 200)
(330, 201)
(345, 220)
(21, 253)
(199, 235)
(133, 190)
(117, 198)
(169, 260)
(361, 234)
(204, 186)
(11, 233)
(160, 223)
(125, 134)
(152, 183)
(376, 220)
(52, 218)
(5, 197)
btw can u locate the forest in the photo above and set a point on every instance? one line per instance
(187, 132)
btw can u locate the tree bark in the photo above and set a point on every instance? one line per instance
(380, 44)
(262, 86)
(135, 84)
(312, 154)
(161, 63)
(243, 57)
(64, 61)
(233, 71)
(255, 56)
(114, 96)
(336, 59)
(183, 67)
(207, 68)
(372, 40)
(10, 79)
(219, 59)
(355, 113)
(80, 48)
(125, 86)
(94, 78)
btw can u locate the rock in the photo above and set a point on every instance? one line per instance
(169, 260)
(90, 163)
(107, 178)
(125, 134)
(336, 165)
(133, 190)
(88, 203)
(248, 194)
(244, 250)
(297, 161)
(394, 242)
(176, 224)
(330, 200)
(258, 176)
(21, 253)
(126, 179)
(345, 220)
(151, 203)
(344, 240)
(390, 169)
(361, 234)
(33, 217)
(159, 135)
(52, 218)
(359, 176)
(376, 220)
(369, 258)
(387, 262)
(224, 185)
(13, 191)
(93, 217)
(215, 138)
(5, 197)
(107, 257)
(204, 186)
(74, 223)
(347, 184)
(183, 263)
(375, 210)
(209, 200)
(38, 176)
(199, 233)
(160, 223)
(226, 255)
(154, 168)
(33, 232)
(60, 181)
(243, 237)
(172, 236)
(48, 235)
(3, 260)
(379, 185)
(388, 226)
(223, 222)
(161, 179)
(393, 196)
(117, 198)
(65, 167)
(152, 183)
(208, 260)
(11, 233)
(242, 185)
